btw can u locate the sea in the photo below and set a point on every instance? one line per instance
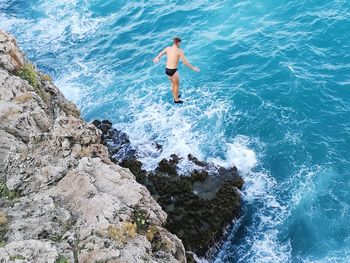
(272, 98)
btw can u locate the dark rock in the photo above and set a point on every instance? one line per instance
(228, 172)
(96, 123)
(159, 147)
(195, 220)
(169, 166)
(117, 142)
(199, 175)
(231, 174)
(199, 205)
(135, 167)
(104, 125)
(107, 122)
(196, 161)
(165, 166)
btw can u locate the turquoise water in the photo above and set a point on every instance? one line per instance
(272, 98)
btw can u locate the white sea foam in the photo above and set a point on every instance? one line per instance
(261, 244)
(238, 154)
(165, 124)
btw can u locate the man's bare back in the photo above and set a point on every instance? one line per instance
(174, 54)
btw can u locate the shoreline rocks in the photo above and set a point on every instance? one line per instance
(62, 198)
(199, 204)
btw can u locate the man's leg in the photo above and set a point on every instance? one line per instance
(172, 85)
(176, 81)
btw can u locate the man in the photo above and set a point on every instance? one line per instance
(174, 54)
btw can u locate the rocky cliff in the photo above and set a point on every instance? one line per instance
(62, 199)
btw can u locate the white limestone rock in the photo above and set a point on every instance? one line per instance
(70, 201)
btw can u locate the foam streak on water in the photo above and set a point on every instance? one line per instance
(272, 98)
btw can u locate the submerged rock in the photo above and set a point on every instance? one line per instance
(199, 204)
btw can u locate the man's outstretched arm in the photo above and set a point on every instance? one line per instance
(163, 52)
(188, 64)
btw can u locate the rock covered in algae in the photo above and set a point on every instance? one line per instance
(199, 204)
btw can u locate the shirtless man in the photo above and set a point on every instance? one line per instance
(174, 53)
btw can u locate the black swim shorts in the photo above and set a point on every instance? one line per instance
(170, 71)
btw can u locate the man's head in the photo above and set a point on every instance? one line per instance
(177, 41)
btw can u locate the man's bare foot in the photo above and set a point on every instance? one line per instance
(178, 97)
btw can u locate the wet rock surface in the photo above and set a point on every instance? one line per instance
(199, 204)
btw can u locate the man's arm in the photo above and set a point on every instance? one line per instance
(163, 52)
(188, 64)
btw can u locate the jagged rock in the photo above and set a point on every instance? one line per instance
(59, 191)
(11, 57)
(169, 166)
(117, 142)
(104, 125)
(196, 161)
(199, 206)
(199, 175)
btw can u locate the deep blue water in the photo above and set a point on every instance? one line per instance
(272, 97)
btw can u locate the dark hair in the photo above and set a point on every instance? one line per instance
(177, 40)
